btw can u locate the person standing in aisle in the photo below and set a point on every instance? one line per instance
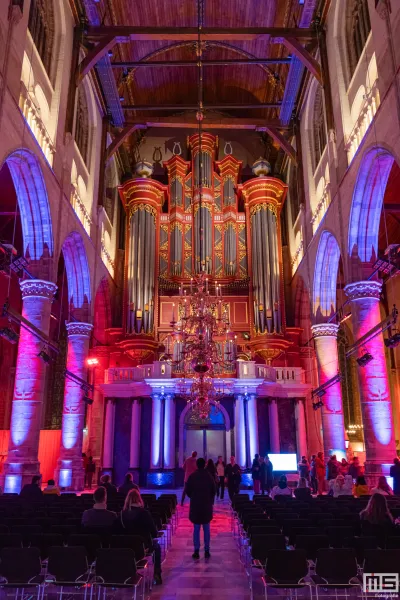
(313, 474)
(89, 471)
(189, 467)
(395, 474)
(266, 474)
(233, 477)
(220, 466)
(200, 488)
(256, 473)
(320, 471)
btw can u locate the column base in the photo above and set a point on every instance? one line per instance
(374, 470)
(69, 474)
(15, 475)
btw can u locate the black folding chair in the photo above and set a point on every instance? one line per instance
(68, 568)
(90, 542)
(138, 545)
(21, 568)
(336, 569)
(286, 569)
(116, 569)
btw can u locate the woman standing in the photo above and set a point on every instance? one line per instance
(320, 471)
(256, 473)
(220, 468)
(383, 487)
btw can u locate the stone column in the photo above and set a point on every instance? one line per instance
(252, 425)
(376, 405)
(301, 433)
(96, 410)
(325, 338)
(30, 377)
(108, 443)
(169, 432)
(274, 441)
(240, 432)
(156, 434)
(134, 455)
(69, 472)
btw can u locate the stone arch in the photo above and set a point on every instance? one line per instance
(325, 276)
(78, 275)
(367, 203)
(102, 312)
(302, 311)
(182, 425)
(34, 207)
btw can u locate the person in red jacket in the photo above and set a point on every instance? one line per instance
(320, 472)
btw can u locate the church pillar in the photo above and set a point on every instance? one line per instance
(134, 455)
(109, 428)
(373, 381)
(96, 410)
(26, 418)
(69, 472)
(325, 338)
(252, 426)
(169, 432)
(240, 432)
(274, 441)
(301, 434)
(156, 434)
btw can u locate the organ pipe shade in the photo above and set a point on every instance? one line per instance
(141, 272)
(204, 250)
(230, 249)
(266, 276)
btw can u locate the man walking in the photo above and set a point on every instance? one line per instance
(189, 467)
(200, 487)
(267, 476)
(233, 477)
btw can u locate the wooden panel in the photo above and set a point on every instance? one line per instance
(240, 313)
(49, 452)
(166, 312)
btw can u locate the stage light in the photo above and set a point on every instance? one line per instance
(86, 387)
(92, 362)
(9, 334)
(393, 341)
(320, 393)
(317, 405)
(87, 400)
(364, 359)
(46, 358)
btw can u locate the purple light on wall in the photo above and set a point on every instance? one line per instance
(12, 484)
(367, 202)
(325, 276)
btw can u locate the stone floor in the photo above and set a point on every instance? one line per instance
(222, 576)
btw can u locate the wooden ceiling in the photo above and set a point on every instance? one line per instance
(240, 84)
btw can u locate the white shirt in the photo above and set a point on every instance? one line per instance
(277, 491)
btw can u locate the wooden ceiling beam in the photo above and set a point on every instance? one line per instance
(126, 33)
(209, 122)
(392, 208)
(121, 137)
(177, 107)
(205, 63)
(93, 56)
(281, 141)
(294, 45)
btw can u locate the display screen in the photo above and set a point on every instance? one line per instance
(284, 462)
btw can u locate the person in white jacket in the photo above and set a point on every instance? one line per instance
(281, 489)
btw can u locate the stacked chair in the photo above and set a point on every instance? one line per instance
(318, 548)
(44, 547)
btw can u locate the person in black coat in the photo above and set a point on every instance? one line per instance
(105, 482)
(128, 485)
(200, 488)
(233, 477)
(32, 491)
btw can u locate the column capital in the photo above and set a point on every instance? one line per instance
(363, 289)
(37, 288)
(78, 328)
(325, 330)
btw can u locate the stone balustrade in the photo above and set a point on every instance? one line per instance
(31, 112)
(80, 210)
(364, 120)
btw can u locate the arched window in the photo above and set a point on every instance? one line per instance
(82, 125)
(319, 129)
(358, 28)
(41, 27)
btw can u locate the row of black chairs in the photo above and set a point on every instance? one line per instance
(264, 528)
(68, 569)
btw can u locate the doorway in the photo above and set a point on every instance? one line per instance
(206, 436)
